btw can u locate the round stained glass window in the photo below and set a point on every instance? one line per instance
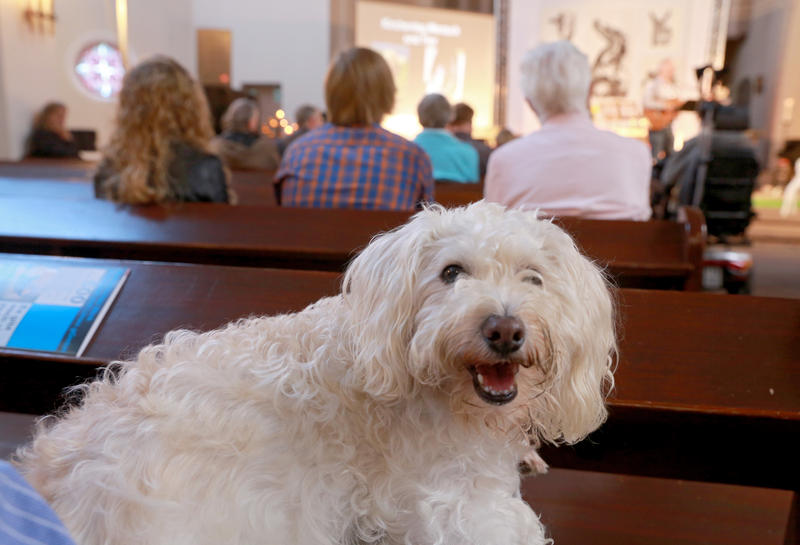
(100, 70)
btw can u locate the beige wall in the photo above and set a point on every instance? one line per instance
(786, 122)
(37, 67)
(284, 42)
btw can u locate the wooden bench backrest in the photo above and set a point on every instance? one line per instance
(706, 384)
(645, 254)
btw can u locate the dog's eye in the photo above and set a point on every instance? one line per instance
(533, 278)
(450, 273)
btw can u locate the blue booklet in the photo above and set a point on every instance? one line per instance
(54, 305)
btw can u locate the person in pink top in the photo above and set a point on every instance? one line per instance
(568, 167)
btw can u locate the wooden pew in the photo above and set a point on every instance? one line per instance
(638, 254)
(252, 187)
(49, 169)
(451, 194)
(680, 354)
(73, 180)
(582, 507)
(706, 387)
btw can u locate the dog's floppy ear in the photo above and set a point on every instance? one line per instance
(379, 291)
(583, 337)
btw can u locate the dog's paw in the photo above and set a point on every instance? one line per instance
(533, 464)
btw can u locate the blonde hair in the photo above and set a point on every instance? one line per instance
(359, 88)
(159, 105)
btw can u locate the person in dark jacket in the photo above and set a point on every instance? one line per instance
(240, 145)
(461, 127)
(159, 149)
(49, 136)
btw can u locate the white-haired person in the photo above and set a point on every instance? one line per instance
(568, 167)
(240, 145)
(452, 159)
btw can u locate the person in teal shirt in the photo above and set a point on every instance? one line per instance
(452, 159)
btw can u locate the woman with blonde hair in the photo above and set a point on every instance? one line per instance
(158, 152)
(49, 135)
(352, 162)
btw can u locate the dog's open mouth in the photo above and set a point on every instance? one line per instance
(495, 383)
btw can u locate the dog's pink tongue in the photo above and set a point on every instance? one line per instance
(498, 377)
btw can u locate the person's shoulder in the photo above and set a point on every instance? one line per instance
(400, 143)
(511, 151)
(624, 143)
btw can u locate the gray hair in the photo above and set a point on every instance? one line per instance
(304, 113)
(238, 115)
(434, 111)
(556, 79)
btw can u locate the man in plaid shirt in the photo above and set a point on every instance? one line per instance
(352, 162)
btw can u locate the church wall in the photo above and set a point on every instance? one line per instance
(36, 66)
(275, 42)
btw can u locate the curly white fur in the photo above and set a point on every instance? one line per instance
(355, 420)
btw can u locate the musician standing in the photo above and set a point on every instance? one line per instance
(661, 105)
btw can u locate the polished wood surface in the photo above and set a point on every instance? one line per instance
(707, 388)
(639, 254)
(581, 507)
(155, 299)
(709, 353)
(250, 188)
(708, 385)
(451, 194)
(193, 232)
(678, 351)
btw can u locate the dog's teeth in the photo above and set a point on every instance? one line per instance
(480, 379)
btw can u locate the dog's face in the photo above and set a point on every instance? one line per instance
(495, 310)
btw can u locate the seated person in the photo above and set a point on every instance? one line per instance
(351, 162)
(452, 159)
(49, 136)
(158, 151)
(240, 145)
(461, 127)
(568, 167)
(728, 144)
(25, 516)
(308, 118)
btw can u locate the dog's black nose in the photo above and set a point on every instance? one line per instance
(503, 334)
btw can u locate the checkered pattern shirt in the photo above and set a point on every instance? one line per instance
(355, 167)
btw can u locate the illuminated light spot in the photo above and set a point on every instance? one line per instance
(288, 130)
(284, 123)
(224, 78)
(273, 123)
(280, 114)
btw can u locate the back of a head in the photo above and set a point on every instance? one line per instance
(434, 111)
(239, 114)
(556, 79)
(159, 105)
(304, 113)
(359, 88)
(46, 118)
(462, 113)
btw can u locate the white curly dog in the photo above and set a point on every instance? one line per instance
(395, 412)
